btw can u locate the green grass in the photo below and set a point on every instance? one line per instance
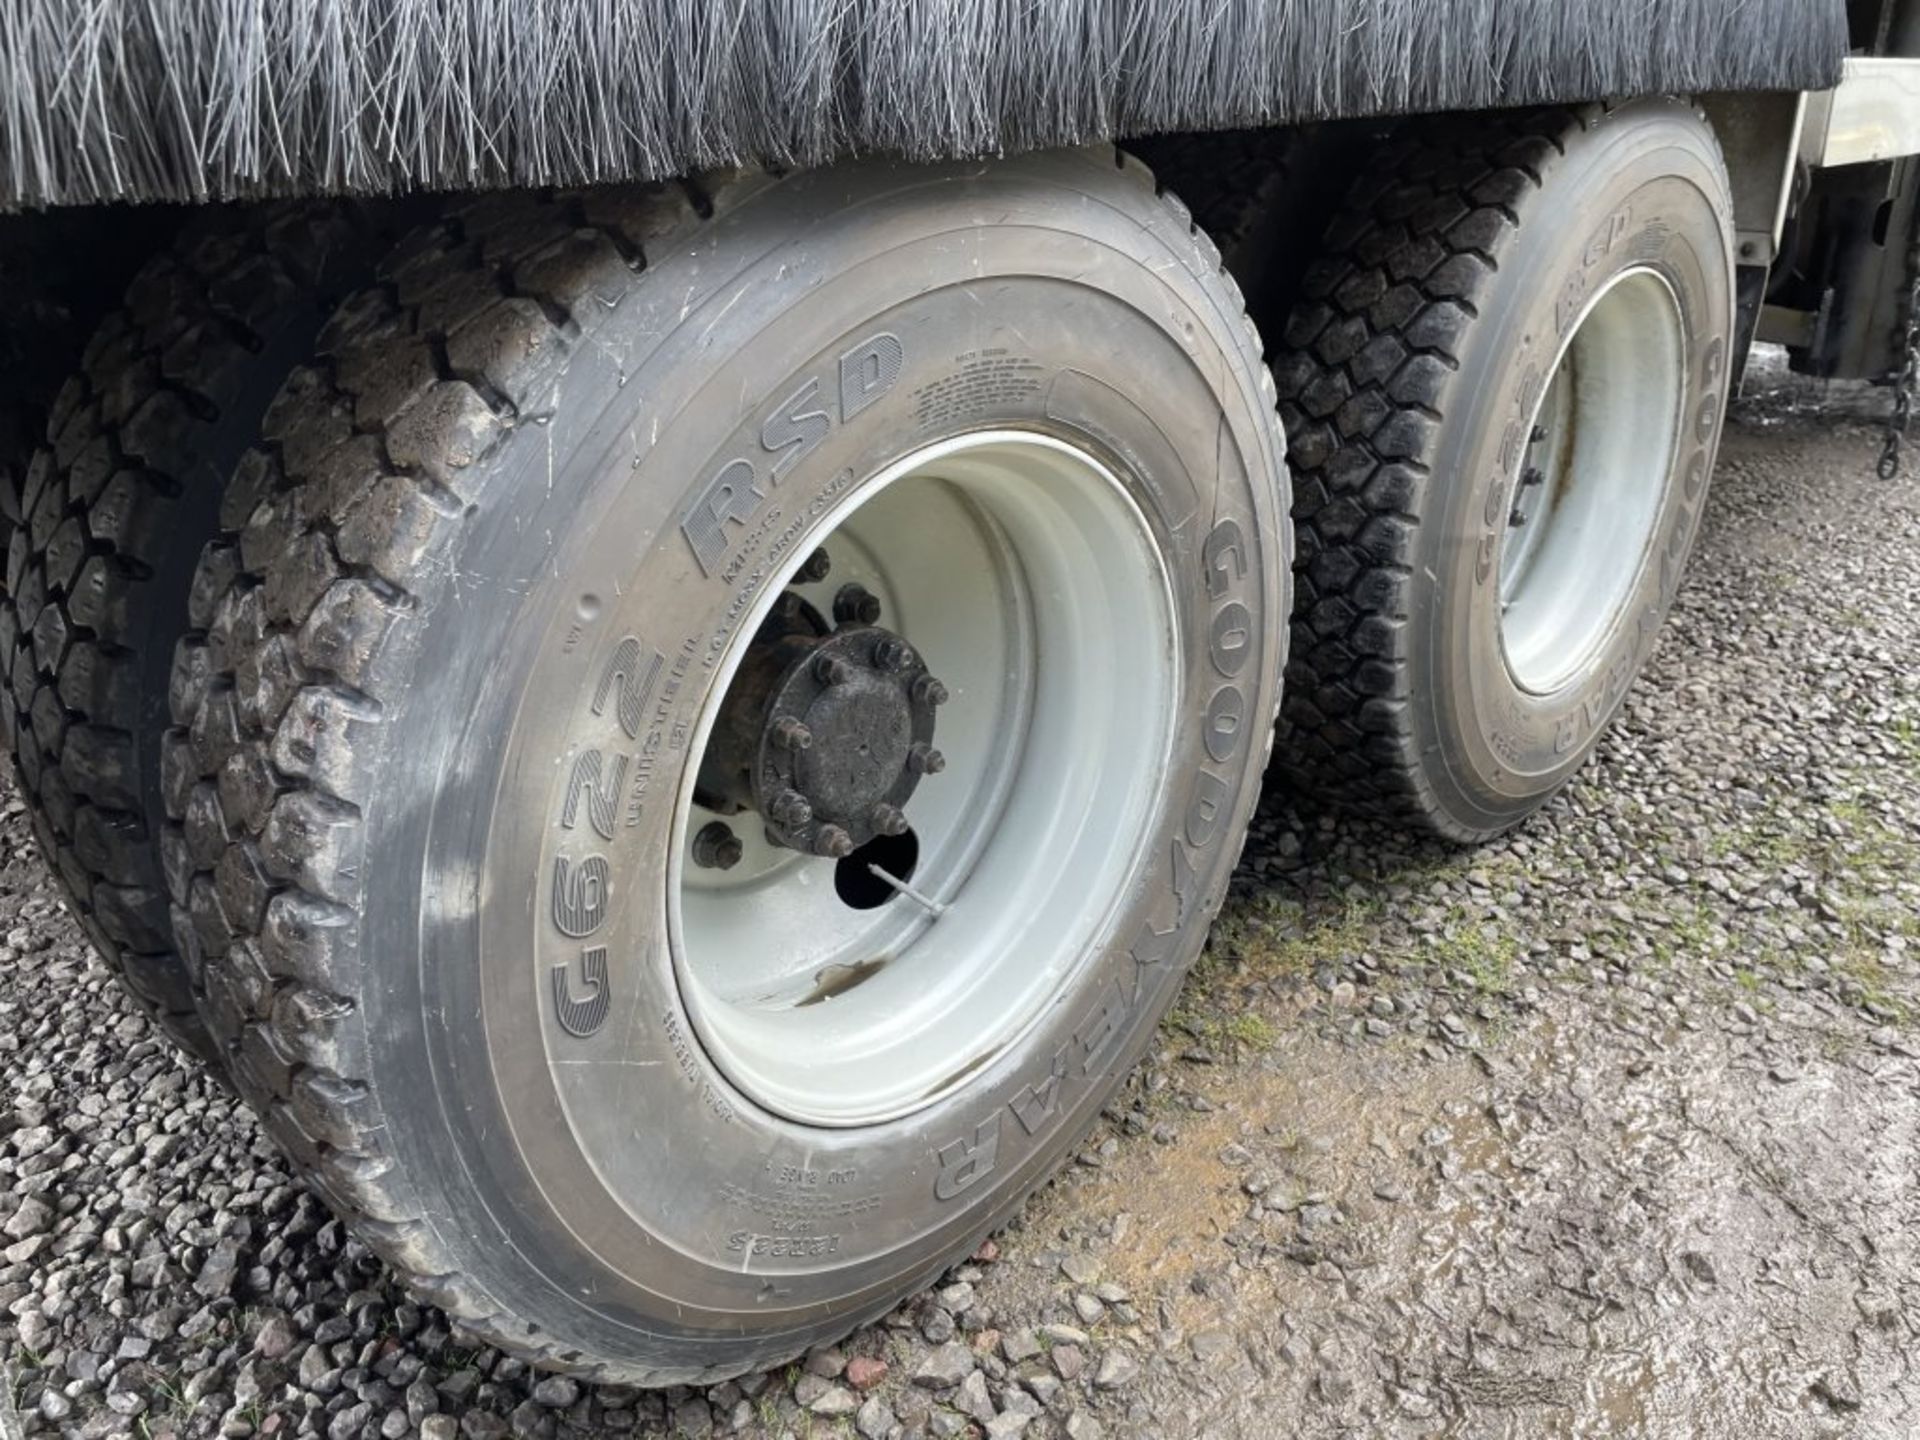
(1688, 936)
(1864, 872)
(1869, 977)
(178, 1408)
(1479, 949)
(1261, 940)
(1243, 1030)
(1759, 845)
(1906, 734)
(1865, 868)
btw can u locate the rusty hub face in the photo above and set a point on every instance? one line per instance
(826, 732)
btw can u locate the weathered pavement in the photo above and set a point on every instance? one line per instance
(1611, 1128)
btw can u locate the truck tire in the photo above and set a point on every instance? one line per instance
(574, 670)
(171, 389)
(1503, 390)
(1243, 188)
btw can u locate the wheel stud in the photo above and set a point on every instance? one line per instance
(832, 670)
(791, 810)
(892, 654)
(716, 847)
(833, 842)
(815, 568)
(1529, 478)
(929, 691)
(923, 759)
(888, 820)
(790, 734)
(856, 605)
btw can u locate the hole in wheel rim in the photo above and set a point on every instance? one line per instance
(856, 884)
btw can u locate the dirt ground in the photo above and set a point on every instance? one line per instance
(1608, 1129)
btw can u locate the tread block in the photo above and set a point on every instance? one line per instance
(91, 471)
(444, 435)
(391, 529)
(134, 917)
(1366, 373)
(315, 843)
(256, 476)
(99, 762)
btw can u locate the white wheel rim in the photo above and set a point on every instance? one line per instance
(1587, 501)
(1018, 566)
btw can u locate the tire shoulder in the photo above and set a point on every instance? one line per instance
(370, 458)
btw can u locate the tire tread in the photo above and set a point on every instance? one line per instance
(1367, 371)
(98, 512)
(335, 529)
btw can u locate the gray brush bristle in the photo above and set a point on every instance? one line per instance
(195, 99)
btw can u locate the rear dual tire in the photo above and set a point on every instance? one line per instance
(113, 510)
(432, 788)
(1464, 633)
(449, 711)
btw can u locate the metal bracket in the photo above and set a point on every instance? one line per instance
(1873, 114)
(1760, 136)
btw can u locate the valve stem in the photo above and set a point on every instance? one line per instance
(932, 907)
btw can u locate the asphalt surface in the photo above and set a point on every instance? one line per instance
(1609, 1128)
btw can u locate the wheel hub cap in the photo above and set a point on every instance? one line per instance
(1586, 501)
(827, 733)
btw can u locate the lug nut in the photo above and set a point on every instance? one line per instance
(832, 670)
(833, 842)
(929, 691)
(790, 734)
(888, 819)
(923, 759)
(1529, 478)
(790, 809)
(856, 605)
(716, 847)
(892, 654)
(815, 568)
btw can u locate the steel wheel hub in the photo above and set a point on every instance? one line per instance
(1593, 483)
(825, 733)
(853, 937)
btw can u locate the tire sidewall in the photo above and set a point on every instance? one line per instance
(616, 1184)
(1642, 187)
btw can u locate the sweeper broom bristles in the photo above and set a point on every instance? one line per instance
(189, 99)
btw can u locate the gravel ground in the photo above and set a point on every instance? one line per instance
(1606, 1129)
